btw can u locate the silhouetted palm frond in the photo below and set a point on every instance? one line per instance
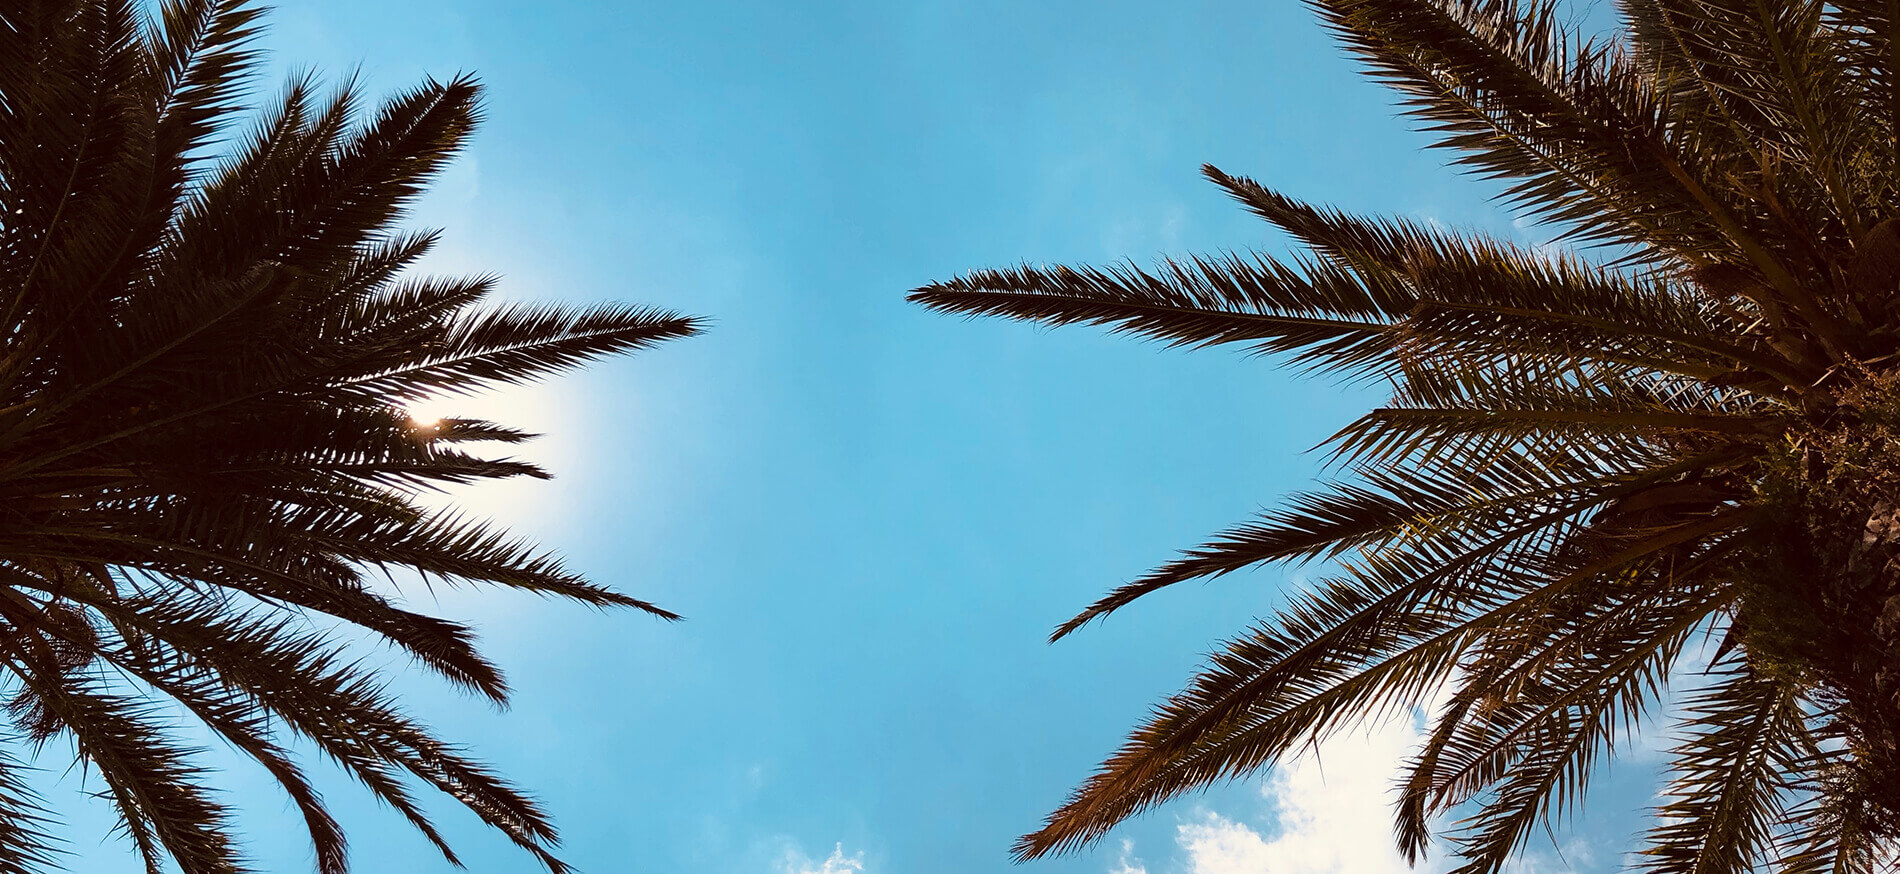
(203, 443)
(1585, 465)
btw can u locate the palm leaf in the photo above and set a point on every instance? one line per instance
(203, 440)
(1588, 456)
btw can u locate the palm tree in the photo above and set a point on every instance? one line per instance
(1589, 465)
(204, 456)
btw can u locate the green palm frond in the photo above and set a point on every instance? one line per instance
(203, 441)
(1587, 462)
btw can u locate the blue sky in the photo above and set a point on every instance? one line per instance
(871, 515)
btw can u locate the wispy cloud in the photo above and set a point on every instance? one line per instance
(1128, 862)
(796, 862)
(1138, 232)
(1575, 855)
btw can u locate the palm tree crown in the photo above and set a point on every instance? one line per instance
(204, 456)
(1588, 465)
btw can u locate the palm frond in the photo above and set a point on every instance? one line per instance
(1587, 457)
(1747, 735)
(203, 440)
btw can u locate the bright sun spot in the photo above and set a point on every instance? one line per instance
(428, 413)
(514, 501)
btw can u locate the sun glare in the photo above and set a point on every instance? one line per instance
(542, 409)
(428, 414)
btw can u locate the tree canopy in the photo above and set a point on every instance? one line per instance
(207, 471)
(1675, 425)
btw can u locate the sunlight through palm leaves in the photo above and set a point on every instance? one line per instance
(1587, 466)
(203, 438)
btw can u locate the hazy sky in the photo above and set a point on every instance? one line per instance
(871, 515)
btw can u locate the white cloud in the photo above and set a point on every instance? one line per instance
(1332, 814)
(1128, 862)
(1218, 845)
(796, 862)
